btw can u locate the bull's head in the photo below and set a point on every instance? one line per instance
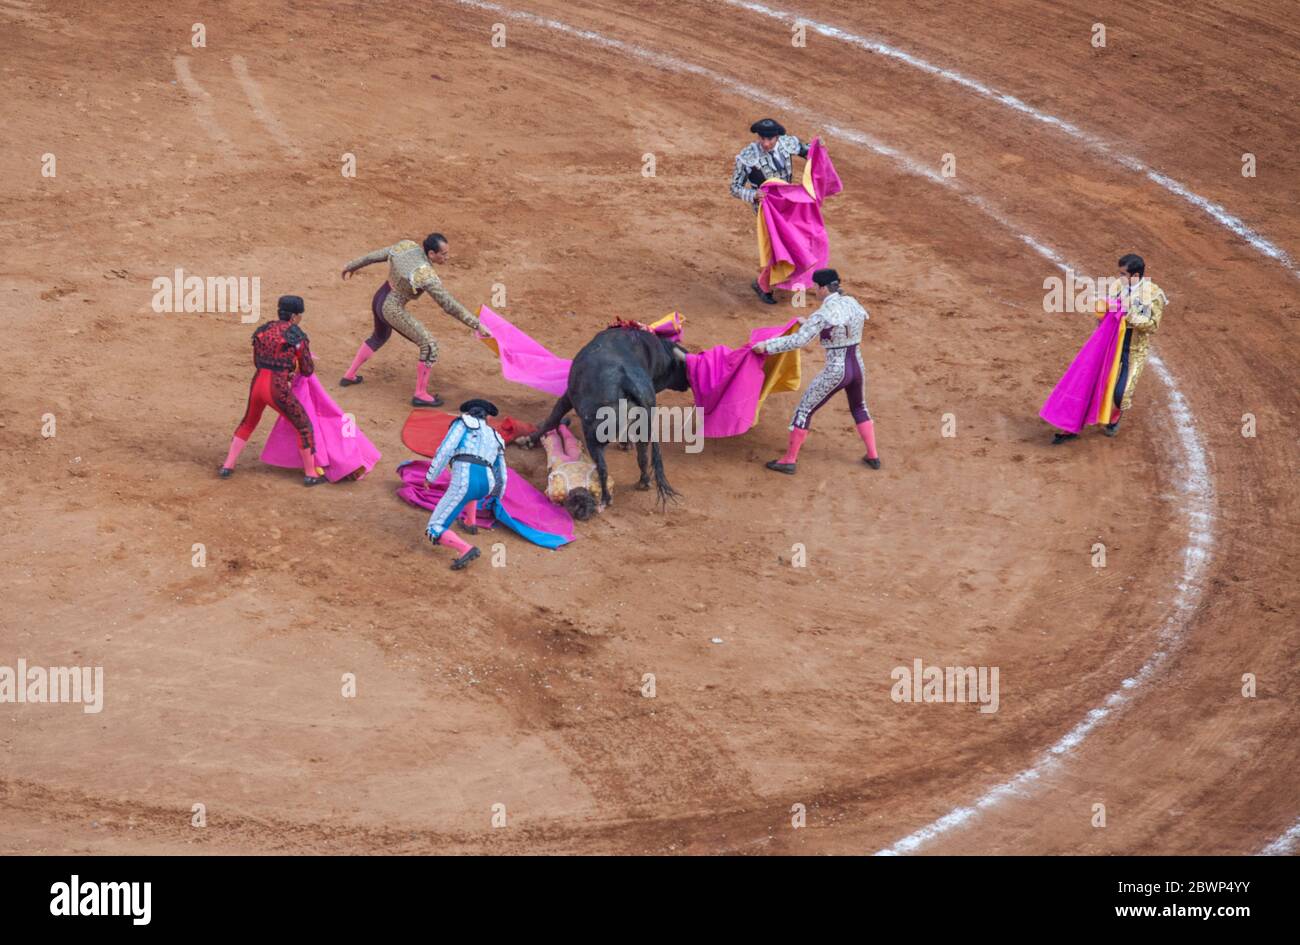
(673, 376)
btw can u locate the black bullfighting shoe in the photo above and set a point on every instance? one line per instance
(417, 402)
(766, 297)
(1111, 429)
(873, 462)
(349, 381)
(778, 466)
(464, 560)
(224, 472)
(1059, 438)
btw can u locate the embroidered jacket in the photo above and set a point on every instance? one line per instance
(468, 435)
(838, 323)
(563, 478)
(1145, 303)
(409, 274)
(754, 165)
(282, 346)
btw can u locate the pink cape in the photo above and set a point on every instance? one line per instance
(1076, 400)
(341, 447)
(728, 382)
(793, 219)
(526, 362)
(521, 500)
(523, 360)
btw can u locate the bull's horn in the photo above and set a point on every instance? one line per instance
(678, 353)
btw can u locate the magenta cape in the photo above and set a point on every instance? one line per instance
(526, 362)
(728, 382)
(792, 216)
(523, 360)
(543, 522)
(1077, 399)
(341, 447)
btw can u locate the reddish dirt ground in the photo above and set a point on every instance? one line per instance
(521, 685)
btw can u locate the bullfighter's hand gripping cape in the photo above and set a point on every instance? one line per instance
(1085, 394)
(729, 384)
(341, 448)
(792, 240)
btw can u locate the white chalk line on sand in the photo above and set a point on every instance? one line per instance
(203, 110)
(852, 135)
(253, 92)
(1214, 210)
(1198, 510)
(1193, 475)
(1288, 841)
(202, 102)
(1284, 845)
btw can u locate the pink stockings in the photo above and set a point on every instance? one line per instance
(309, 467)
(867, 431)
(364, 354)
(236, 447)
(454, 542)
(561, 446)
(797, 436)
(422, 371)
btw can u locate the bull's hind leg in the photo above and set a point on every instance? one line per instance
(641, 460)
(597, 450)
(643, 395)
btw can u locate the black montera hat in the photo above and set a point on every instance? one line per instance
(292, 304)
(767, 128)
(479, 407)
(826, 277)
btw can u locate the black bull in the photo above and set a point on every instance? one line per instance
(625, 364)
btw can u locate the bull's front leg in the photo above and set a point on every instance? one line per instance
(562, 407)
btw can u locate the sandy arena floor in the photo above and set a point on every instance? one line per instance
(521, 686)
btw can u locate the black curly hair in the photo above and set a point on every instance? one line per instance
(580, 503)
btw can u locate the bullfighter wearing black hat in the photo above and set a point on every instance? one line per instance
(770, 155)
(476, 455)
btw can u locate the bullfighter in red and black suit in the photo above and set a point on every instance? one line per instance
(280, 351)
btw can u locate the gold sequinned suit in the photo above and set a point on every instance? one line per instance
(1145, 303)
(410, 274)
(567, 468)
